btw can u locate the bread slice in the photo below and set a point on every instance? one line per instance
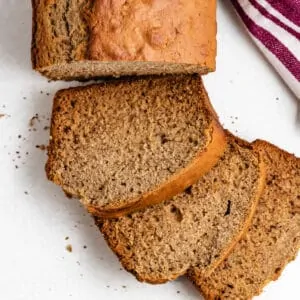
(124, 145)
(272, 240)
(77, 39)
(196, 228)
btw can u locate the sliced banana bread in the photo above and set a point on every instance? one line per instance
(273, 239)
(123, 145)
(77, 39)
(196, 228)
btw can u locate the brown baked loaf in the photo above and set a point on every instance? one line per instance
(273, 239)
(196, 228)
(124, 145)
(76, 39)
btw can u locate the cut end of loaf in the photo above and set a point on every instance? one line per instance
(88, 69)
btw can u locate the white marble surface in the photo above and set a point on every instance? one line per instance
(35, 217)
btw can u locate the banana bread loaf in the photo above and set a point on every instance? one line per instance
(76, 39)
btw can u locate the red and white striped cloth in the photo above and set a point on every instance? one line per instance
(275, 27)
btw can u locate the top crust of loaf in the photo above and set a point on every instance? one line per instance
(71, 108)
(77, 39)
(272, 240)
(177, 31)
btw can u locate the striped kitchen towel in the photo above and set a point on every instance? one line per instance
(274, 26)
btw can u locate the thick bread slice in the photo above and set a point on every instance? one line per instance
(77, 39)
(124, 145)
(196, 228)
(273, 239)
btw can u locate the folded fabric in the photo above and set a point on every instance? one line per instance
(274, 26)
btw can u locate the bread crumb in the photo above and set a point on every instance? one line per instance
(2, 116)
(26, 193)
(41, 147)
(84, 247)
(33, 119)
(69, 248)
(66, 238)
(124, 286)
(178, 292)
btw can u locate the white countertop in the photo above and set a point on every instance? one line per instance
(36, 217)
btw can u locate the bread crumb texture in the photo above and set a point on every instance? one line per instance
(195, 228)
(273, 239)
(113, 142)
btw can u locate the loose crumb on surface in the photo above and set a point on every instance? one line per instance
(2, 116)
(124, 286)
(66, 238)
(84, 247)
(178, 292)
(33, 119)
(69, 248)
(41, 147)
(26, 193)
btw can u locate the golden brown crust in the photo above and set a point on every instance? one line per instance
(140, 31)
(176, 184)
